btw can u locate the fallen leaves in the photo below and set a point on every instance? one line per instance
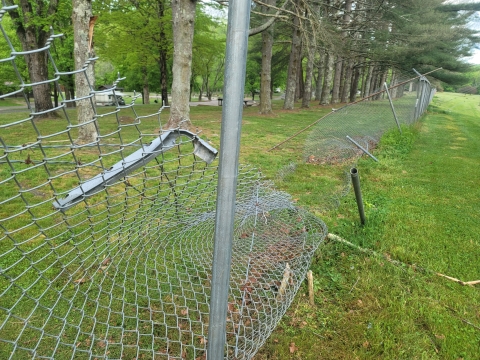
(292, 348)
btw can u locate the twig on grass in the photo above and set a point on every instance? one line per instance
(353, 287)
(465, 283)
(337, 238)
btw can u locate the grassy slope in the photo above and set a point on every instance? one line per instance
(422, 208)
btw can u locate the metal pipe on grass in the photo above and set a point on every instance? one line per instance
(232, 110)
(358, 193)
(362, 148)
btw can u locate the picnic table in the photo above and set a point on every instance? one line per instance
(220, 102)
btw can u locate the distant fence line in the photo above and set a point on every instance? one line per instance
(343, 135)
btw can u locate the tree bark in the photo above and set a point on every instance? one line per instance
(266, 72)
(85, 80)
(163, 77)
(354, 84)
(146, 91)
(34, 36)
(293, 65)
(320, 76)
(336, 80)
(300, 87)
(327, 82)
(183, 15)
(307, 94)
(162, 59)
(373, 81)
(368, 80)
(393, 82)
(382, 79)
(344, 97)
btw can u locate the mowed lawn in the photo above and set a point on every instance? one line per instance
(383, 298)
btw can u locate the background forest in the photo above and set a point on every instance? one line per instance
(330, 50)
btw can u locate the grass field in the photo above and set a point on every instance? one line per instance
(378, 297)
(12, 102)
(422, 206)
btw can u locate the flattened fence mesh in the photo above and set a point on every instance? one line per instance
(106, 248)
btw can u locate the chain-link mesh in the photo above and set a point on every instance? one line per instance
(345, 134)
(365, 121)
(106, 248)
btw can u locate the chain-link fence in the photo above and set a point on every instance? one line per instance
(106, 247)
(343, 135)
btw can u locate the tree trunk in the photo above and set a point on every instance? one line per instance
(55, 95)
(200, 93)
(373, 81)
(307, 95)
(320, 76)
(300, 87)
(82, 13)
(327, 82)
(354, 85)
(293, 65)
(342, 80)
(368, 80)
(336, 80)
(146, 91)
(347, 82)
(381, 83)
(33, 36)
(266, 72)
(163, 77)
(162, 58)
(183, 15)
(393, 82)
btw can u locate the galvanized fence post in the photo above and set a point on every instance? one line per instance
(358, 193)
(234, 84)
(393, 108)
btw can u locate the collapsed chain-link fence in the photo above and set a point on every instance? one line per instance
(106, 247)
(343, 135)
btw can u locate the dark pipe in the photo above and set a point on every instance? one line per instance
(358, 193)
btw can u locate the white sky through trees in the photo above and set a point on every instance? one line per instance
(474, 24)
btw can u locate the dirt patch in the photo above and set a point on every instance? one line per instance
(126, 120)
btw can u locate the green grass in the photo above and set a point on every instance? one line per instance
(12, 102)
(421, 203)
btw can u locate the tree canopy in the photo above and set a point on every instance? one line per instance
(339, 45)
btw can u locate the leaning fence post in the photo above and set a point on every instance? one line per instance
(393, 108)
(232, 110)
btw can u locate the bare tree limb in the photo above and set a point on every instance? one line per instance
(269, 22)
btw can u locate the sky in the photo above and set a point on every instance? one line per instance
(474, 24)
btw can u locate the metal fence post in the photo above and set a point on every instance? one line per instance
(234, 84)
(358, 193)
(393, 108)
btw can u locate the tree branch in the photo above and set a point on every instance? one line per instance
(269, 22)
